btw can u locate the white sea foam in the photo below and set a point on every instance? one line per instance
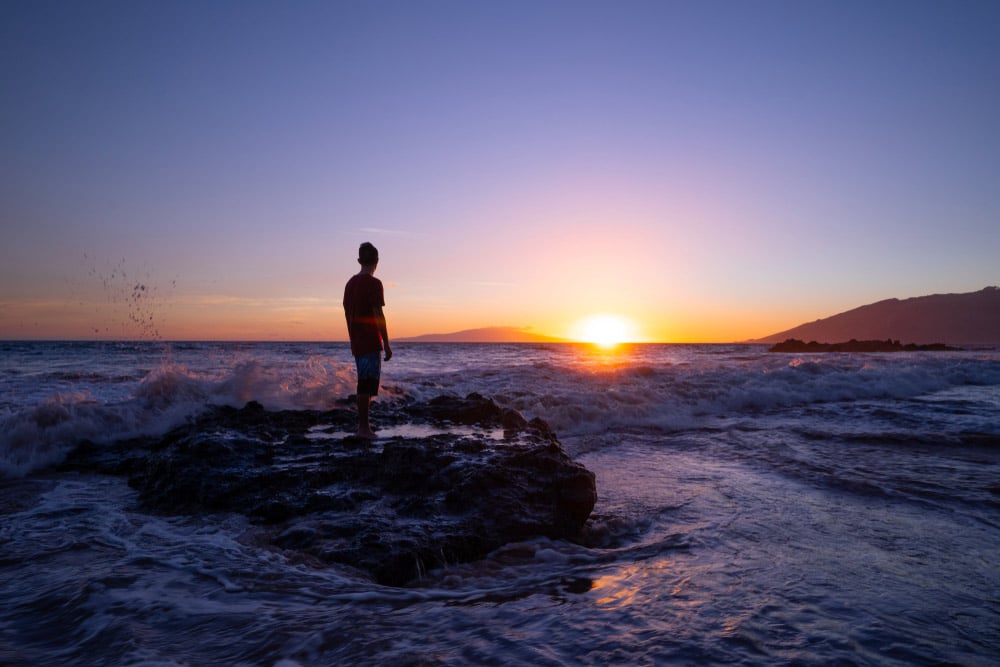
(577, 400)
(662, 389)
(39, 435)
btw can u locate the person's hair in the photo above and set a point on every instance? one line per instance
(367, 254)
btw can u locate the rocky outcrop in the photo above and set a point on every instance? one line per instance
(795, 345)
(475, 478)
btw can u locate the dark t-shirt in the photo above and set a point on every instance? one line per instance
(362, 295)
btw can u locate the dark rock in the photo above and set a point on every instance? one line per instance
(392, 508)
(797, 346)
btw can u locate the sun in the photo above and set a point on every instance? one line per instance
(604, 330)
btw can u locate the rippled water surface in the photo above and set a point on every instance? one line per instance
(754, 509)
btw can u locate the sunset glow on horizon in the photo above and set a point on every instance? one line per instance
(606, 330)
(707, 172)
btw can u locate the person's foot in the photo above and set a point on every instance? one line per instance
(366, 433)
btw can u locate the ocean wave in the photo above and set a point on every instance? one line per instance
(656, 390)
(87, 376)
(40, 435)
(577, 400)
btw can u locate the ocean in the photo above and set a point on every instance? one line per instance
(759, 508)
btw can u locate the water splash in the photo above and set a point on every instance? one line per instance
(132, 302)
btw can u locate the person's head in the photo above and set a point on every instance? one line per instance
(367, 255)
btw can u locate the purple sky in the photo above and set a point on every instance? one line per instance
(709, 170)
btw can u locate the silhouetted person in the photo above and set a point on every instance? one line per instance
(363, 302)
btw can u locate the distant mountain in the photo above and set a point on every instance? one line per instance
(971, 319)
(485, 335)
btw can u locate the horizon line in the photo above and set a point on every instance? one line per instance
(408, 339)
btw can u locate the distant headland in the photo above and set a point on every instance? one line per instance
(972, 318)
(486, 335)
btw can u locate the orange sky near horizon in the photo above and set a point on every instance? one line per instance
(176, 317)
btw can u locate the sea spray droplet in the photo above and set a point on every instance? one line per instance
(131, 305)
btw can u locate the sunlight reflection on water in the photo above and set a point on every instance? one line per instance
(324, 432)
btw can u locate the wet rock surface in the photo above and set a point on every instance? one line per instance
(460, 477)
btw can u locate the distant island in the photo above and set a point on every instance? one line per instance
(972, 318)
(795, 345)
(485, 335)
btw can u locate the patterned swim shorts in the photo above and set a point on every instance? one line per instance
(369, 373)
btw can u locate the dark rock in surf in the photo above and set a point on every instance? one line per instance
(797, 346)
(392, 508)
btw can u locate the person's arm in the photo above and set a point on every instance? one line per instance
(347, 313)
(383, 331)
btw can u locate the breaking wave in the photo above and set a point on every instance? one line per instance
(40, 435)
(660, 389)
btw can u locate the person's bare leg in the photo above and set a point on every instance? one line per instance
(364, 425)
